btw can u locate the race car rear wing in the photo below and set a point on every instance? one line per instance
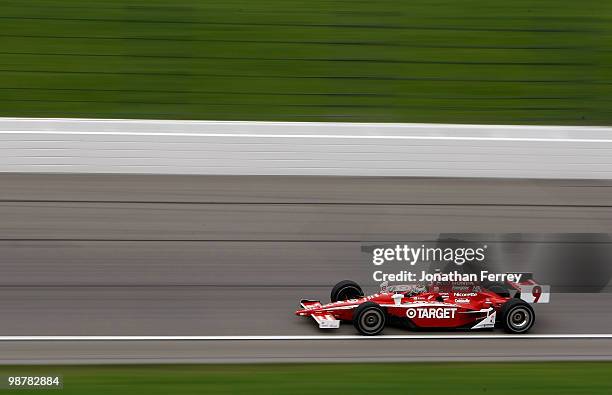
(530, 291)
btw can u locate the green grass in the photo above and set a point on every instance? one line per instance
(555, 378)
(468, 61)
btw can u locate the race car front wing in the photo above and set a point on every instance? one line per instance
(325, 320)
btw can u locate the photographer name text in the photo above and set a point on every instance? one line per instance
(424, 276)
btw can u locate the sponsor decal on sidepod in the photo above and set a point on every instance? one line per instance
(431, 312)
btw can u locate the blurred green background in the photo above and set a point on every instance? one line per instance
(541, 378)
(469, 61)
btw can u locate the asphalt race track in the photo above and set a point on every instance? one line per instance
(199, 255)
(275, 351)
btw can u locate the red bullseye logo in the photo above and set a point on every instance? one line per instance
(431, 312)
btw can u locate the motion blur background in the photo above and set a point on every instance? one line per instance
(442, 61)
(84, 252)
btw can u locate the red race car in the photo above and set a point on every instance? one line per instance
(458, 305)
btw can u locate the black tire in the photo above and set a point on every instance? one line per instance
(369, 319)
(517, 316)
(346, 290)
(501, 291)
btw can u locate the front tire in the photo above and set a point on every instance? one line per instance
(346, 290)
(517, 316)
(369, 319)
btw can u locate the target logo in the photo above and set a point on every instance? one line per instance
(431, 312)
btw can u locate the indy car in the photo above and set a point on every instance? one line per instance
(450, 305)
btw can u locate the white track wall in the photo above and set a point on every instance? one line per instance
(284, 148)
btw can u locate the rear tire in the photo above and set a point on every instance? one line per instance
(346, 290)
(369, 319)
(517, 316)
